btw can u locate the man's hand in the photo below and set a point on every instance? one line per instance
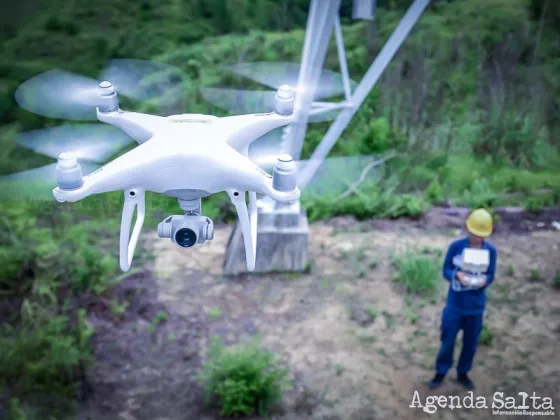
(483, 283)
(461, 278)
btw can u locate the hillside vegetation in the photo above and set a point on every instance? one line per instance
(470, 102)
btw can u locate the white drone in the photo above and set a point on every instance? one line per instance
(186, 156)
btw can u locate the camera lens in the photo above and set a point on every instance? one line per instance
(185, 237)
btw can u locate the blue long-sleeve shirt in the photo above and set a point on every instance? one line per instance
(468, 302)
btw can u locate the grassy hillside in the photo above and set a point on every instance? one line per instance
(470, 102)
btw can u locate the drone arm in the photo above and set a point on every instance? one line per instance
(248, 223)
(133, 199)
(140, 127)
(244, 129)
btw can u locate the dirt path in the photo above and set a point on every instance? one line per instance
(357, 344)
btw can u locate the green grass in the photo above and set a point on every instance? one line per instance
(535, 275)
(215, 313)
(486, 336)
(556, 280)
(418, 273)
(242, 380)
(159, 318)
(48, 261)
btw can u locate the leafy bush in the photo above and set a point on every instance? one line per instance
(44, 353)
(418, 273)
(48, 260)
(243, 379)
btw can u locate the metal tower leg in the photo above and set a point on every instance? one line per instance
(282, 236)
(282, 232)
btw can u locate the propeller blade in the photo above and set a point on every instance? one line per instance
(253, 102)
(265, 150)
(36, 183)
(337, 174)
(59, 94)
(240, 101)
(65, 95)
(93, 142)
(141, 79)
(276, 74)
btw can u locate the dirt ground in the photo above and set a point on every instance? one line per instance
(356, 343)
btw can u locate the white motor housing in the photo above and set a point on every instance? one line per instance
(284, 174)
(284, 104)
(68, 172)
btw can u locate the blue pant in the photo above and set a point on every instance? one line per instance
(451, 323)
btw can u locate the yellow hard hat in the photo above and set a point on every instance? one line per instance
(479, 223)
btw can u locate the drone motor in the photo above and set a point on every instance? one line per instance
(68, 172)
(284, 174)
(109, 100)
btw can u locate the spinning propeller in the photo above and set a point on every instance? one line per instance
(274, 75)
(60, 94)
(65, 95)
(91, 144)
(336, 173)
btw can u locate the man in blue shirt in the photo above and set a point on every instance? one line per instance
(465, 305)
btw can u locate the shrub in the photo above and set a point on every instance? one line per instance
(44, 354)
(486, 336)
(46, 262)
(556, 281)
(243, 379)
(434, 191)
(418, 273)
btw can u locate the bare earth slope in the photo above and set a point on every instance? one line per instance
(358, 345)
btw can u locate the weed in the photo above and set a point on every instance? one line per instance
(44, 354)
(324, 283)
(535, 275)
(244, 379)
(215, 313)
(419, 274)
(434, 191)
(411, 316)
(339, 370)
(510, 270)
(389, 319)
(381, 352)
(367, 339)
(171, 337)
(160, 317)
(486, 336)
(118, 308)
(371, 312)
(556, 280)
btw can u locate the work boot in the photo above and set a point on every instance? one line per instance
(464, 380)
(436, 381)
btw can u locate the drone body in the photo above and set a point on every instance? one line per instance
(187, 156)
(185, 152)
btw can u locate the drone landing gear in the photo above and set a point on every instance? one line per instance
(248, 217)
(133, 199)
(282, 235)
